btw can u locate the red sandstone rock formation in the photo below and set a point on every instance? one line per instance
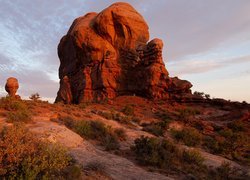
(108, 54)
(11, 87)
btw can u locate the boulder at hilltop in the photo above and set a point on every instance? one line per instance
(12, 86)
(109, 54)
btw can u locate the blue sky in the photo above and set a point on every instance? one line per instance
(205, 42)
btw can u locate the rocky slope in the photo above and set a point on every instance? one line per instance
(143, 117)
(108, 54)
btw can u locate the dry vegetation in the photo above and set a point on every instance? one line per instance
(168, 138)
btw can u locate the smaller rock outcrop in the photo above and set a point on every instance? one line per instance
(12, 86)
(65, 91)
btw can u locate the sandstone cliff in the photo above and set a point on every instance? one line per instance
(106, 55)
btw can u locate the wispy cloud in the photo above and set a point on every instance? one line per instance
(196, 66)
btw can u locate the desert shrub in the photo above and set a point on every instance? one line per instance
(236, 126)
(211, 144)
(120, 133)
(17, 110)
(155, 152)
(117, 116)
(159, 128)
(163, 116)
(98, 131)
(193, 157)
(155, 129)
(73, 171)
(19, 116)
(96, 167)
(12, 104)
(186, 113)
(226, 172)
(235, 144)
(189, 136)
(110, 142)
(23, 156)
(107, 115)
(83, 128)
(165, 155)
(35, 97)
(128, 110)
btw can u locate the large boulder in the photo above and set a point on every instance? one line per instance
(107, 54)
(12, 86)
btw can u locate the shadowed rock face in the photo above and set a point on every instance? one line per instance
(108, 54)
(11, 86)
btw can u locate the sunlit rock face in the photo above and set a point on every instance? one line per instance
(12, 86)
(109, 54)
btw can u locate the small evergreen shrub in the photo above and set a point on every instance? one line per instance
(128, 110)
(193, 157)
(17, 110)
(189, 136)
(23, 156)
(155, 152)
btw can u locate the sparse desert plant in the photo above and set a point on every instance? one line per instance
(19, 116)
(17, 110)
(128, 110)
(98, 131)
(83, 128)
(110, 142)
(96, 167)
(226, 172)
(189, 136)
(155, 128)
(120, 133)
(193, 157)
(211, 144)
(73, 171)
(35, 97)
(236, 126)
(12, 104)
(186, 114)
(24, 156)
(67, 121)
(155, 152)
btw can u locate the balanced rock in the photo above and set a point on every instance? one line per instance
(11, 86)
(106, 55)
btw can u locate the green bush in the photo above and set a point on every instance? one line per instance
(17, 110)
(98, 131)
(110, 142)
(157, 129)
(236, 126)
(193, 157)
(12, 104)
(83, 128)
(120, 133)
(128, 110)
(189, 136)
(35, 97)
(155, 152)
(23, 156)
(19, 116)
(185, 114)
(96, 167)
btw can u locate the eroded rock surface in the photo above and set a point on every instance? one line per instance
(12, 86)
(106, 55)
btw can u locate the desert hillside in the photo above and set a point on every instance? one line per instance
(119, 115)
(135, 138)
